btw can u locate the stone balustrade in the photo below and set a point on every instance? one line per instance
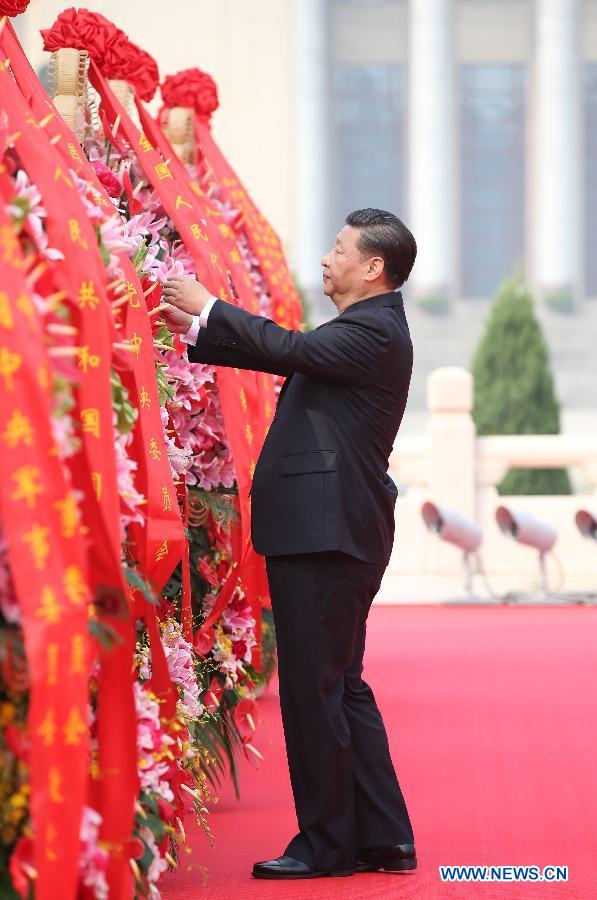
(453, 467)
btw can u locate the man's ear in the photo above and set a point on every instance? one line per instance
(375, 268)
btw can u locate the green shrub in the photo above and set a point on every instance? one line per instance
(514, 389)
(560, 301)
(435, 303)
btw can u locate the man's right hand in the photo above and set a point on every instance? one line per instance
(177, 320)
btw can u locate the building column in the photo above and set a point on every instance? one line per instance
(557, 153)
(310, 143)
(431, 148)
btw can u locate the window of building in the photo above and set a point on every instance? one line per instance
(492, 152)
(367, 162)
(590, 189)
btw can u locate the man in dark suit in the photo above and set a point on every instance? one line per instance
(323, 517)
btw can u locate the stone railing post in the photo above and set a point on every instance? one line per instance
(452, 452)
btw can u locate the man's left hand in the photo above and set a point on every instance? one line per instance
(186, 293)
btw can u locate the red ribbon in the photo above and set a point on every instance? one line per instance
(262, 238)
(93, 468)
(257, 397)
(49, 570)
(239, 391)
(160, 541)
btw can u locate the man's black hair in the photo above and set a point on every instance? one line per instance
(383, 234)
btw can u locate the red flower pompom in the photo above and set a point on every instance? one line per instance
(147, 76)
(107, 178)
(13, 7)
(108, 45)
(137, 67)
(192, 88)
(86, 30)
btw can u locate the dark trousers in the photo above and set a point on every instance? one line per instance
(346, 793)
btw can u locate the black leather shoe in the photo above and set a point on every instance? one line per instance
(399, 858)
(288, 867)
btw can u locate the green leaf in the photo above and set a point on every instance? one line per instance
(218, 734)
(165, 336)
(149, 801)
(166, 391)
(155, 824)
(139, 258)
(145, 861)
(126, 414)
(104, 634)
(135, 580)
(220, 504)
(7, 892)
(23, 206)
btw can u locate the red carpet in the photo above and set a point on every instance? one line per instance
(492, 718)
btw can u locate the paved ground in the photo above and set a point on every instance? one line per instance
(492, 724)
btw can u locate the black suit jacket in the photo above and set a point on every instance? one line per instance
(321, 480)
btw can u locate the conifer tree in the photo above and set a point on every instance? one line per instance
(514, 389)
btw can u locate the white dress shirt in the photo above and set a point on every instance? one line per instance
(200, 321)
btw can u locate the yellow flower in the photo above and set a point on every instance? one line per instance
(18, 800)
(7, 713)
(15, 816)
